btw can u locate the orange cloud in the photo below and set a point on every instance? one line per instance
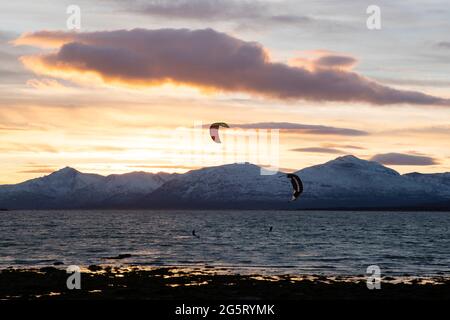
(45, 39)
(208, 60)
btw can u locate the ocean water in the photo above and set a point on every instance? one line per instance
(315, 242)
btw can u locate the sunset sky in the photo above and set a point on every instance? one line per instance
(108, 98)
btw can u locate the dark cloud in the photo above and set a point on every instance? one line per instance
(303, 128)
(344, 146)
(244, 11)
(331, 61)
(206, 59)
(402, 159)
(444, 44)
(319, 150)
(203, 9)
(289, 19)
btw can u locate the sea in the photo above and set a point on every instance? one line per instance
(261, 242)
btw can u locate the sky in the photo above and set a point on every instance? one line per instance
(139, 80)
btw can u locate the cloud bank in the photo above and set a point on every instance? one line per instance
(203, 9)
(248, 12)
(204, 59)
(333, 61)
(402, 159)
(303, 128)
(444, 44)
(319, 150)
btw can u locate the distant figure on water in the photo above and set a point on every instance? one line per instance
(194, 234)
(270, 229)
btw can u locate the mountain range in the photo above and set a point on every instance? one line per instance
(346, 182)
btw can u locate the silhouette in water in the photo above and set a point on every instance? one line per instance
(270, 229)
(194, 234)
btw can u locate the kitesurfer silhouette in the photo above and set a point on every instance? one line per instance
(214, 130)
(297, 185)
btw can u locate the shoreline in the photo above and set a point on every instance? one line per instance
(105, 282)
(356, 209)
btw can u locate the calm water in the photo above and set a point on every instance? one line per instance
(301, 242)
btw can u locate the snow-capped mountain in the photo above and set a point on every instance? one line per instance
(346, 182)
(57, 184)
(69, 188)
(226, 186)
(442, 179)
(349, 181)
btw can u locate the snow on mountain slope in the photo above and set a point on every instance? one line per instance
(349, 175)
(344, 182)
(133, 182)
(349, 179)
(227, 183)
(442, 179)
(67, 188)
(121, 190)
(57, 184)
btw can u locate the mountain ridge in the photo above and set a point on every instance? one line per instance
(345, 182)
